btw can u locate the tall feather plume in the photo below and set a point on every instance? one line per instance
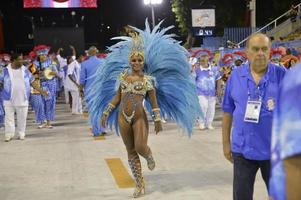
(165, 60)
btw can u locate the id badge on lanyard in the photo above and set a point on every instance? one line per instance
(253, 111)
(253, 108)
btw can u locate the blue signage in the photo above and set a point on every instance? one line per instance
(204, 32)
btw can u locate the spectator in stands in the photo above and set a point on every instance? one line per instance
(249, 101)
(293, 13)
(272, 39)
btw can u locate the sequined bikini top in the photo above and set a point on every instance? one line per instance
(137, 87)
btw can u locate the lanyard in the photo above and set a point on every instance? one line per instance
(258, 92)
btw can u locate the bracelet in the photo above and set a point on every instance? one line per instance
(110, 107)
(155, 109)
(156, 114)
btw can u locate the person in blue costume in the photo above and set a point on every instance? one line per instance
(208, 87)
(276, 55)
(4, 61)
(87, 76)
(148, 66)
(239, 58)
(286, 140)
(44, 71)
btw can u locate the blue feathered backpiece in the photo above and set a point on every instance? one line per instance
(165, 60)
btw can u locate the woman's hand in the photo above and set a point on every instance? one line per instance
(158, 127)
(103, 121)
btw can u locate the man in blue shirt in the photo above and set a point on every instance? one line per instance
(249, 101)
(88, 70)
(286, 140)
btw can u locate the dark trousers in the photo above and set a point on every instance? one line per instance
(244, 176)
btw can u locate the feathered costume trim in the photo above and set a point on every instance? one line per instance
(166, 61)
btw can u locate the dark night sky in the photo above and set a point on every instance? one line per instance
(113, 13)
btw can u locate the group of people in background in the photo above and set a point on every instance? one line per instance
(211, 74)
(45, 76)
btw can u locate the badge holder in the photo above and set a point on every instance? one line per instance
(252, 111)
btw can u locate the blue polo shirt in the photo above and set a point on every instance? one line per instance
(253, 140)
(88, 71)
(286, 138)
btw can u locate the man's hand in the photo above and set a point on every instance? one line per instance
(219, 93)
(103, 121)
(227, 151)
(44, 93)
(158, 127)
(81, 92)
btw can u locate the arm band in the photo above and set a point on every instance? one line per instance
(156, 114)
(110, 107)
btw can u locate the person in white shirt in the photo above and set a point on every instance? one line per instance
(16, 81)
(72, 83)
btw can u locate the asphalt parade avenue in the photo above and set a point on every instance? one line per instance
(66, 162)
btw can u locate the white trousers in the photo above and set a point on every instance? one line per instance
(66, 91)
(9, 120)
(207, 104)
(77, 107)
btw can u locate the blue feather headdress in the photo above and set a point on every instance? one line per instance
(165, 60)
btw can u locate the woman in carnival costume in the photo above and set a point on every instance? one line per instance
(149, 66)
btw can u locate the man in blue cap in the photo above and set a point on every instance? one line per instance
(88, 69)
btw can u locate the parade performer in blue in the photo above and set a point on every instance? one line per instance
(149, 66)
(276, 55)
(239, 58)
(45, 71)
(4, 61)
(208, 85)
(286, 140)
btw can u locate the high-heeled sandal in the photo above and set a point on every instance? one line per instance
(139, 190)
(151, 164)
(135, 166)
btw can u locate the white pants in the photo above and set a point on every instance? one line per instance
(9, 120)
(66, 91)
(76, 102)
(207, 104)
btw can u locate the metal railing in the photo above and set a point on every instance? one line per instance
(273, 24)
